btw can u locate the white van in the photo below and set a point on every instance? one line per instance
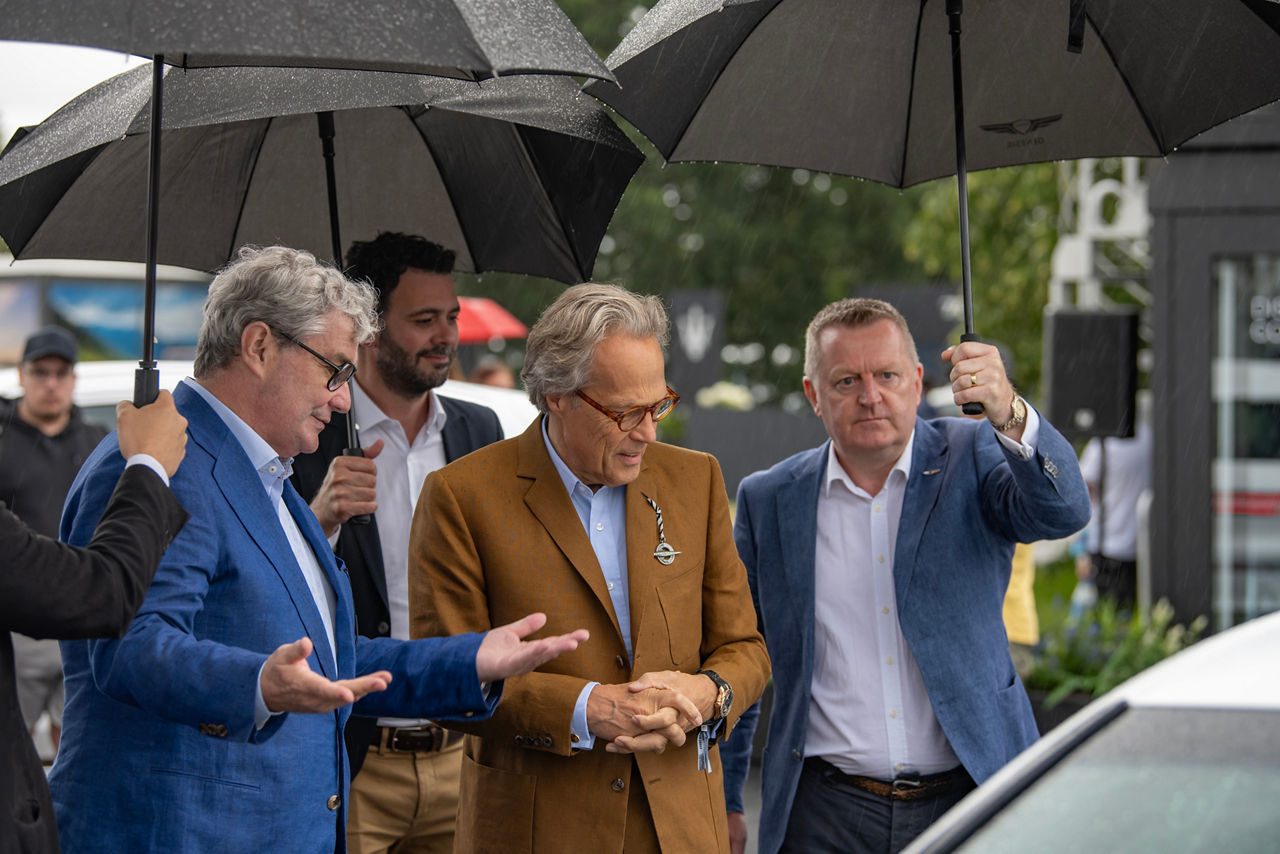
(101, 385)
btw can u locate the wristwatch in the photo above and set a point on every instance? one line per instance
(724, 695)
(1019, 415)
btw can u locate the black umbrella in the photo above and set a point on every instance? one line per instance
(872, 88)
(472, 39)
(519, 174)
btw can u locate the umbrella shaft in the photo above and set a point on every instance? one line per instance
(325, 121)
(954, 9)
(147, 379)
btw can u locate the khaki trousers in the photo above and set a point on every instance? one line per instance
(404, 803)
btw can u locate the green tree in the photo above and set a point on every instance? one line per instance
(1013, 226)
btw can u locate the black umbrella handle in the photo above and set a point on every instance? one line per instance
(972, 407)
(353, 449)
(146, 384)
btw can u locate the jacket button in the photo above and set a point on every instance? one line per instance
(617, 785)
(546, 741)
(796, 754)
(384, 628)
(620, 662)
(333, 802)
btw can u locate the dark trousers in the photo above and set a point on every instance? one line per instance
(831, 816)
(1115, 578)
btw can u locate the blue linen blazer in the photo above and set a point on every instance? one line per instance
(159, 750)
(967, 502)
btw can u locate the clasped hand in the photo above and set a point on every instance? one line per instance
(648, 714)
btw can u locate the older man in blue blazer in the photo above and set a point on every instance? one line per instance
(215, 723)
(878, 564)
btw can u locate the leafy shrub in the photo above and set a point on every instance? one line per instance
(1105, 647)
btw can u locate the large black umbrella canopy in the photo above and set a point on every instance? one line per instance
(465, 38)
(868, 88)
(519, 174)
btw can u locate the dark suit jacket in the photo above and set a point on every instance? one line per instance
(467, 426)
(51, 590)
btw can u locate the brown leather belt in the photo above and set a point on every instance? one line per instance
(906, 787)
(428, 738)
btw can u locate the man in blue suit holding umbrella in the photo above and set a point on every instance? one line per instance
(215, 723)
(878, 564)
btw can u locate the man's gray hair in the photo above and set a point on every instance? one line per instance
(287, 289)
(852, 312)
(561, 345)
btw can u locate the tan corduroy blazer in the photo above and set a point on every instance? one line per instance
(496, 537)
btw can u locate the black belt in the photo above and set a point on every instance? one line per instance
(428, 738)
(905, 787)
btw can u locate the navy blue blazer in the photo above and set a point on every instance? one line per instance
(159, 750)
(967, 502)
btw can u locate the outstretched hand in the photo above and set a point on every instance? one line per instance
(504, 654)
(290, 685)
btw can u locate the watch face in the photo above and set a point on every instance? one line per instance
(726, 701)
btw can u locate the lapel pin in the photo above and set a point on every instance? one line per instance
(931, 471)
(664, 553)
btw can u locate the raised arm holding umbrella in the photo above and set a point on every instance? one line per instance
(874, 88)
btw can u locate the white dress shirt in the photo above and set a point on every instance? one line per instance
(869, 712)
(402, 468)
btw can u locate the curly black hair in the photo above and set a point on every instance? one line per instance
(382, 261)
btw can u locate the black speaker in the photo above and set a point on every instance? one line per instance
(1091, 371)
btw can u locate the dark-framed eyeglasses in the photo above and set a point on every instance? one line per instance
(629, 419)
(342, 374)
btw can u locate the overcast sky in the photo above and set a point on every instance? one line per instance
(35, 80)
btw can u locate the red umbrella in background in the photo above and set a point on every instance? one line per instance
(481, 320)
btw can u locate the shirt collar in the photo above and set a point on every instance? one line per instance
(271, 467)
(368, 414)
(570, 480)
(836, 474)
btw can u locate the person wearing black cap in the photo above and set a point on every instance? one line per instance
(43, 442)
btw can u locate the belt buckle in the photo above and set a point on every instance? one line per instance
(414, 738)
(904, 785)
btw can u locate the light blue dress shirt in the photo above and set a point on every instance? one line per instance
(274, 470)
(603, 514)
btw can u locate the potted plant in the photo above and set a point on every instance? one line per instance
(1080, 659)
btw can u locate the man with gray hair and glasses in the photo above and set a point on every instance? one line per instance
(215, 723)
(612, 747)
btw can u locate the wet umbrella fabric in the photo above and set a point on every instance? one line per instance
(865, 87)
(481, 319)
(471, 39)
(518, 174)
(460, 38)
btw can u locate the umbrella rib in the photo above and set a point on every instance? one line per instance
(911, 94)
(244, 197)
(426, 142)
(702, 103)
(1146, 120)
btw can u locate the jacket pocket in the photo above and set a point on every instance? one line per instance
(681, 602)
(495, 810)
